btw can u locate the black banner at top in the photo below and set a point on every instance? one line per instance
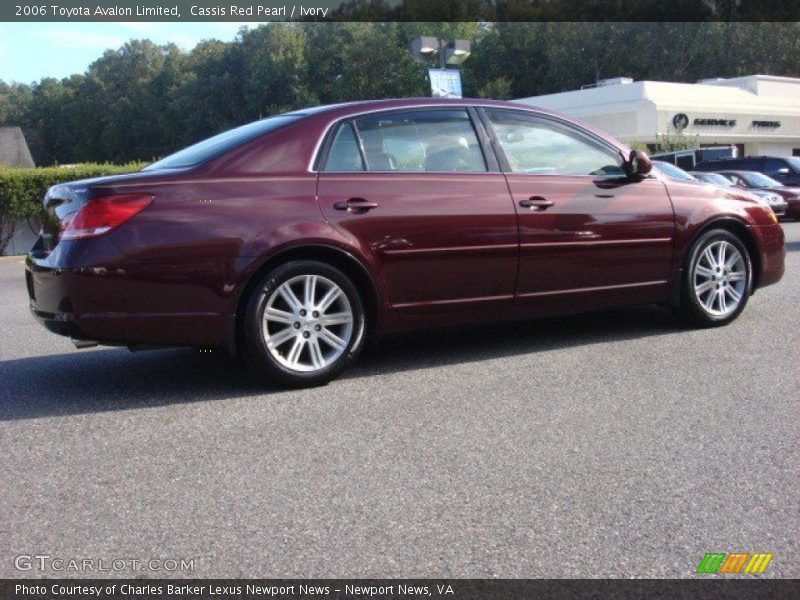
(400, 10)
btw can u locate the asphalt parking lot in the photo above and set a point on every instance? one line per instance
(616, 444)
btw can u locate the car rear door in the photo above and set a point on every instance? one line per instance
(416, 191)
(585, 228)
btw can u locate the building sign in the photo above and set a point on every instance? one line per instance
(445, 83)
(715, 122)
(680, 121)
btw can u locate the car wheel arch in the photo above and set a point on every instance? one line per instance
(331, 255)
(734, 226)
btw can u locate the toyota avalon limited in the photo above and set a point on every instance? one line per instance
(289, 240)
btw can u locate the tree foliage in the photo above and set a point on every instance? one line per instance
(144, 100)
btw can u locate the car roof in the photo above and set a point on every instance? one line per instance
(404, 102)
(346, 109)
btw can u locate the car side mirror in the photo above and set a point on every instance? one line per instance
(638, 164)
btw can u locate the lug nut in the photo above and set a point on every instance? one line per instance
(297, 325)
(317, 327)
(302, 312)
(306, 334)
(315, 314)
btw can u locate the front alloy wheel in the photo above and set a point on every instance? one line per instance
(717, 280)
(720, 275)
(304, 324)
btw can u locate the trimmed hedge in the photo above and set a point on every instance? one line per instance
(22, 190)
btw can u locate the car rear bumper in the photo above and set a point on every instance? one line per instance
(114, 300)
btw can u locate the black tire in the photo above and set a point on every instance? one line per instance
(264, 360)
(693, 308)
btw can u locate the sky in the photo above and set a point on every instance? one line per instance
(30, 51)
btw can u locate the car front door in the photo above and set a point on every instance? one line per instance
(586, 230)
(418, 194)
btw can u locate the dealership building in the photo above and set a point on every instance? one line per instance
(759, 114)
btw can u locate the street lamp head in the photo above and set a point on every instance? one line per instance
(457, 52)
(425, 47)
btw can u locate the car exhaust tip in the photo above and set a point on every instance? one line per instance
(80, 344)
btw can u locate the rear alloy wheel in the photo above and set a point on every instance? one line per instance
(717, 280)
(304, 324)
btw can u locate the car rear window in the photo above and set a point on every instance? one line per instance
(220, 144)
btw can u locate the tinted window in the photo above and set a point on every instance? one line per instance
(735, 179)
(344, 154)
(685, 161)
(714, 178)
(760, 180)
(440, 140)
(219, 144)
(540, 147)
(773, 165)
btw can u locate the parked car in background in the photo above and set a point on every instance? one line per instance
(773, 200)
(687, 159)
(784, 169)
(673, 172)
(289, 240)
(752, 181)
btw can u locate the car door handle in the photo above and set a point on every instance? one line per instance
(536, 203)
(355, 205)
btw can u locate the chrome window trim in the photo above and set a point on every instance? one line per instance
(337, 120)
(355, 116)
(531, 111)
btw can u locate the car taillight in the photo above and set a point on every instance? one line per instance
(101, 215)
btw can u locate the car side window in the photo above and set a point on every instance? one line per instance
(435, 140)
(540, 147)
(344, 154)
(773, 165)
(735, 179)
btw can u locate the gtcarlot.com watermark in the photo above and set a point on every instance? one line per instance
(58, 564)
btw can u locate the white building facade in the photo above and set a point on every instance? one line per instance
(759, 114)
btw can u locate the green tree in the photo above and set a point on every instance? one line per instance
(385, 66)
(275, 70)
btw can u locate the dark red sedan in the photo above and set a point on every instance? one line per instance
(290, 239)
